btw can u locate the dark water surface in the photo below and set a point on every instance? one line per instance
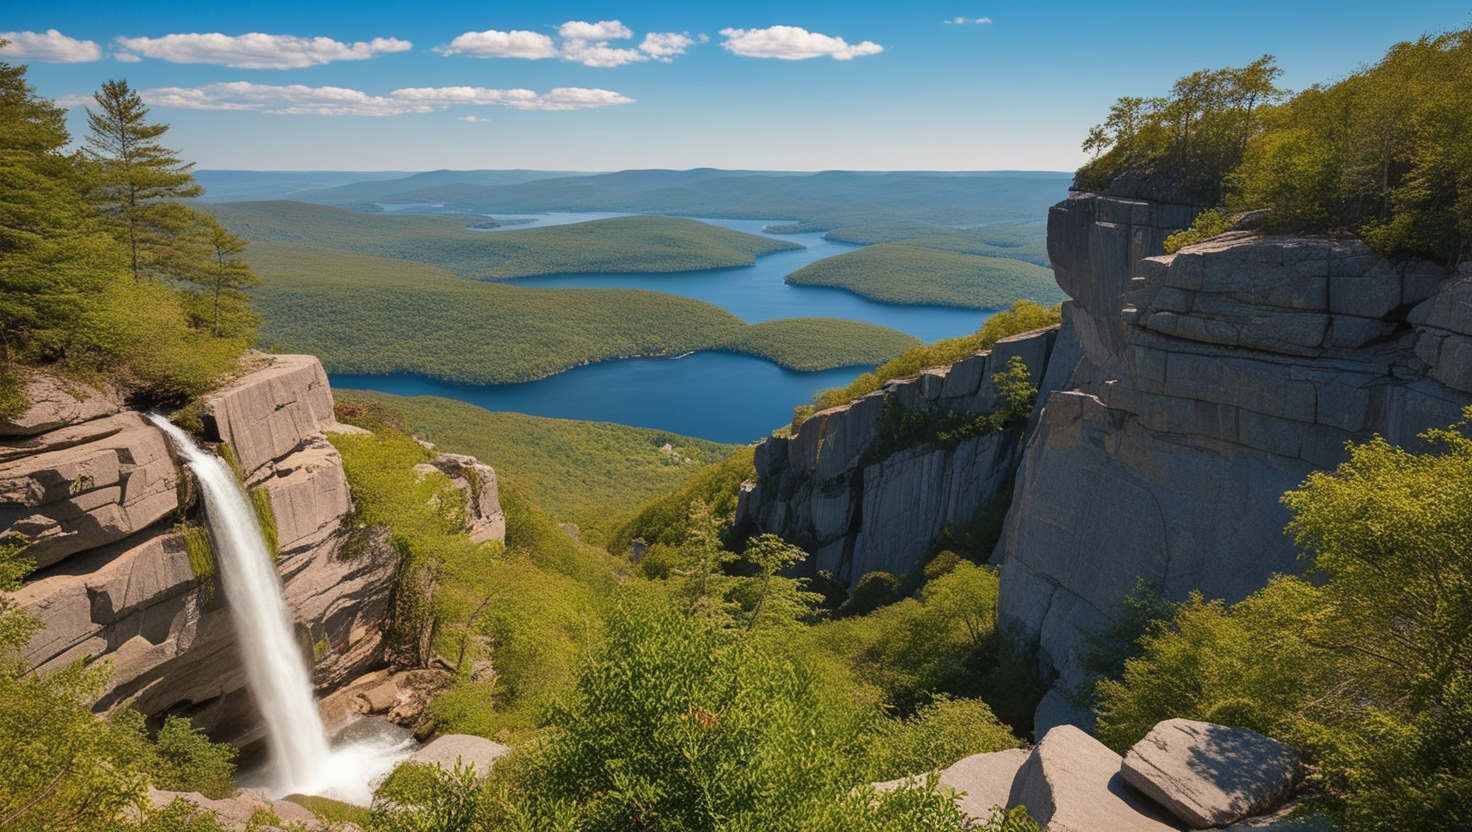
(723, 397)
(719, 396)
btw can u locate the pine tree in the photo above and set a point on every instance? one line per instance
(137, 177)
(227, 272)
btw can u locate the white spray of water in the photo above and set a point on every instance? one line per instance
(274, 667)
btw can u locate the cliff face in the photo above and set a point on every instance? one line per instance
(1189, 391)
(97, 491)
(861, 507)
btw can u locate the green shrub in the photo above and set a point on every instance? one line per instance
(189, 762)
(935, 736)
(1207, 224)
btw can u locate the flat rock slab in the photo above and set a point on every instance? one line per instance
(465, 749)
(1211, 775)
(236, 812)
(56, 403)
(1071, 783)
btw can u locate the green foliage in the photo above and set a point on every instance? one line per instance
(976, 538)
(919, 271)
(1366, 668)
(67, 292)
(1191, 139)
(15, 563)
(1381, 153)
(13, 399)
(532, 603)
(199, 549)
(189, 762)
(260, 500)
(1106, 650)
(676, 724)
(874, 590)
(1024, 316)
(1207, 224)
(331, 811)
(588, 473)
(935, 736)
(663, 520)
(622, 244)
(374, 315)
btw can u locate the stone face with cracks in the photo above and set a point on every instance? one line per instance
(1211, 775)
(1189, 391)
(857, 511)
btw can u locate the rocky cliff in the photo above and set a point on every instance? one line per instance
(859, 504)
(1187, 392)
(97, 491)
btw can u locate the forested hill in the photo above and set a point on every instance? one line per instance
(872, 207)
(623, 244)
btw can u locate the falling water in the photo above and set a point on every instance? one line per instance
(274, 668)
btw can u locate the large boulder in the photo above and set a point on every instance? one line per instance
(461, 749)
(484, 519)
(238, 811)
(984, 780)
(1211, 775)
(1071, 783)
(270, 410)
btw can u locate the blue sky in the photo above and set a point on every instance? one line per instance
(855, 85)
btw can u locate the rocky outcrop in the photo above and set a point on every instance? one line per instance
(484, 519)
(1187, 392)
(1211, 775)
(1071, 783)
(55, 403)
(245, 810)
(858, 505)
(99, 501)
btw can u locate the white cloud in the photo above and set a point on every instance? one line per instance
(790, 43)
(603, 30)
(67, 102)
(561, 98)
(664, 46)
(962, 21)
(296, 99)
(51, 47)
(255, 50)
(493, 44)
(577, 41)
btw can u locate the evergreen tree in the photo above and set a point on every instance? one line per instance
(223, 271)
(138, 178)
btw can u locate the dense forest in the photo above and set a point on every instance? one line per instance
(1382, 153)
(363, 314)
(102, 268)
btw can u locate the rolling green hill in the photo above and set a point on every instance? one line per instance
(588, 473)
(365, 314)
(623, 244)
(945, 270)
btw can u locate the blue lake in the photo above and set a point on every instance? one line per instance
(719, 396)
(724, 397)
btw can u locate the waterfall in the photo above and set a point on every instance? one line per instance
(275, 670)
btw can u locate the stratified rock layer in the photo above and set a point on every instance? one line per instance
(860, 507)
(1188, 392)
(99, 500)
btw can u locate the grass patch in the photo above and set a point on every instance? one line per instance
(201, 553)
(588, 473)
(260, 498)
(364, 314)
(622, 244)
(328, 810)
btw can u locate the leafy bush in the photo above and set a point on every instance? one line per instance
(189, 762)
(935, 736)
(1207, 224)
